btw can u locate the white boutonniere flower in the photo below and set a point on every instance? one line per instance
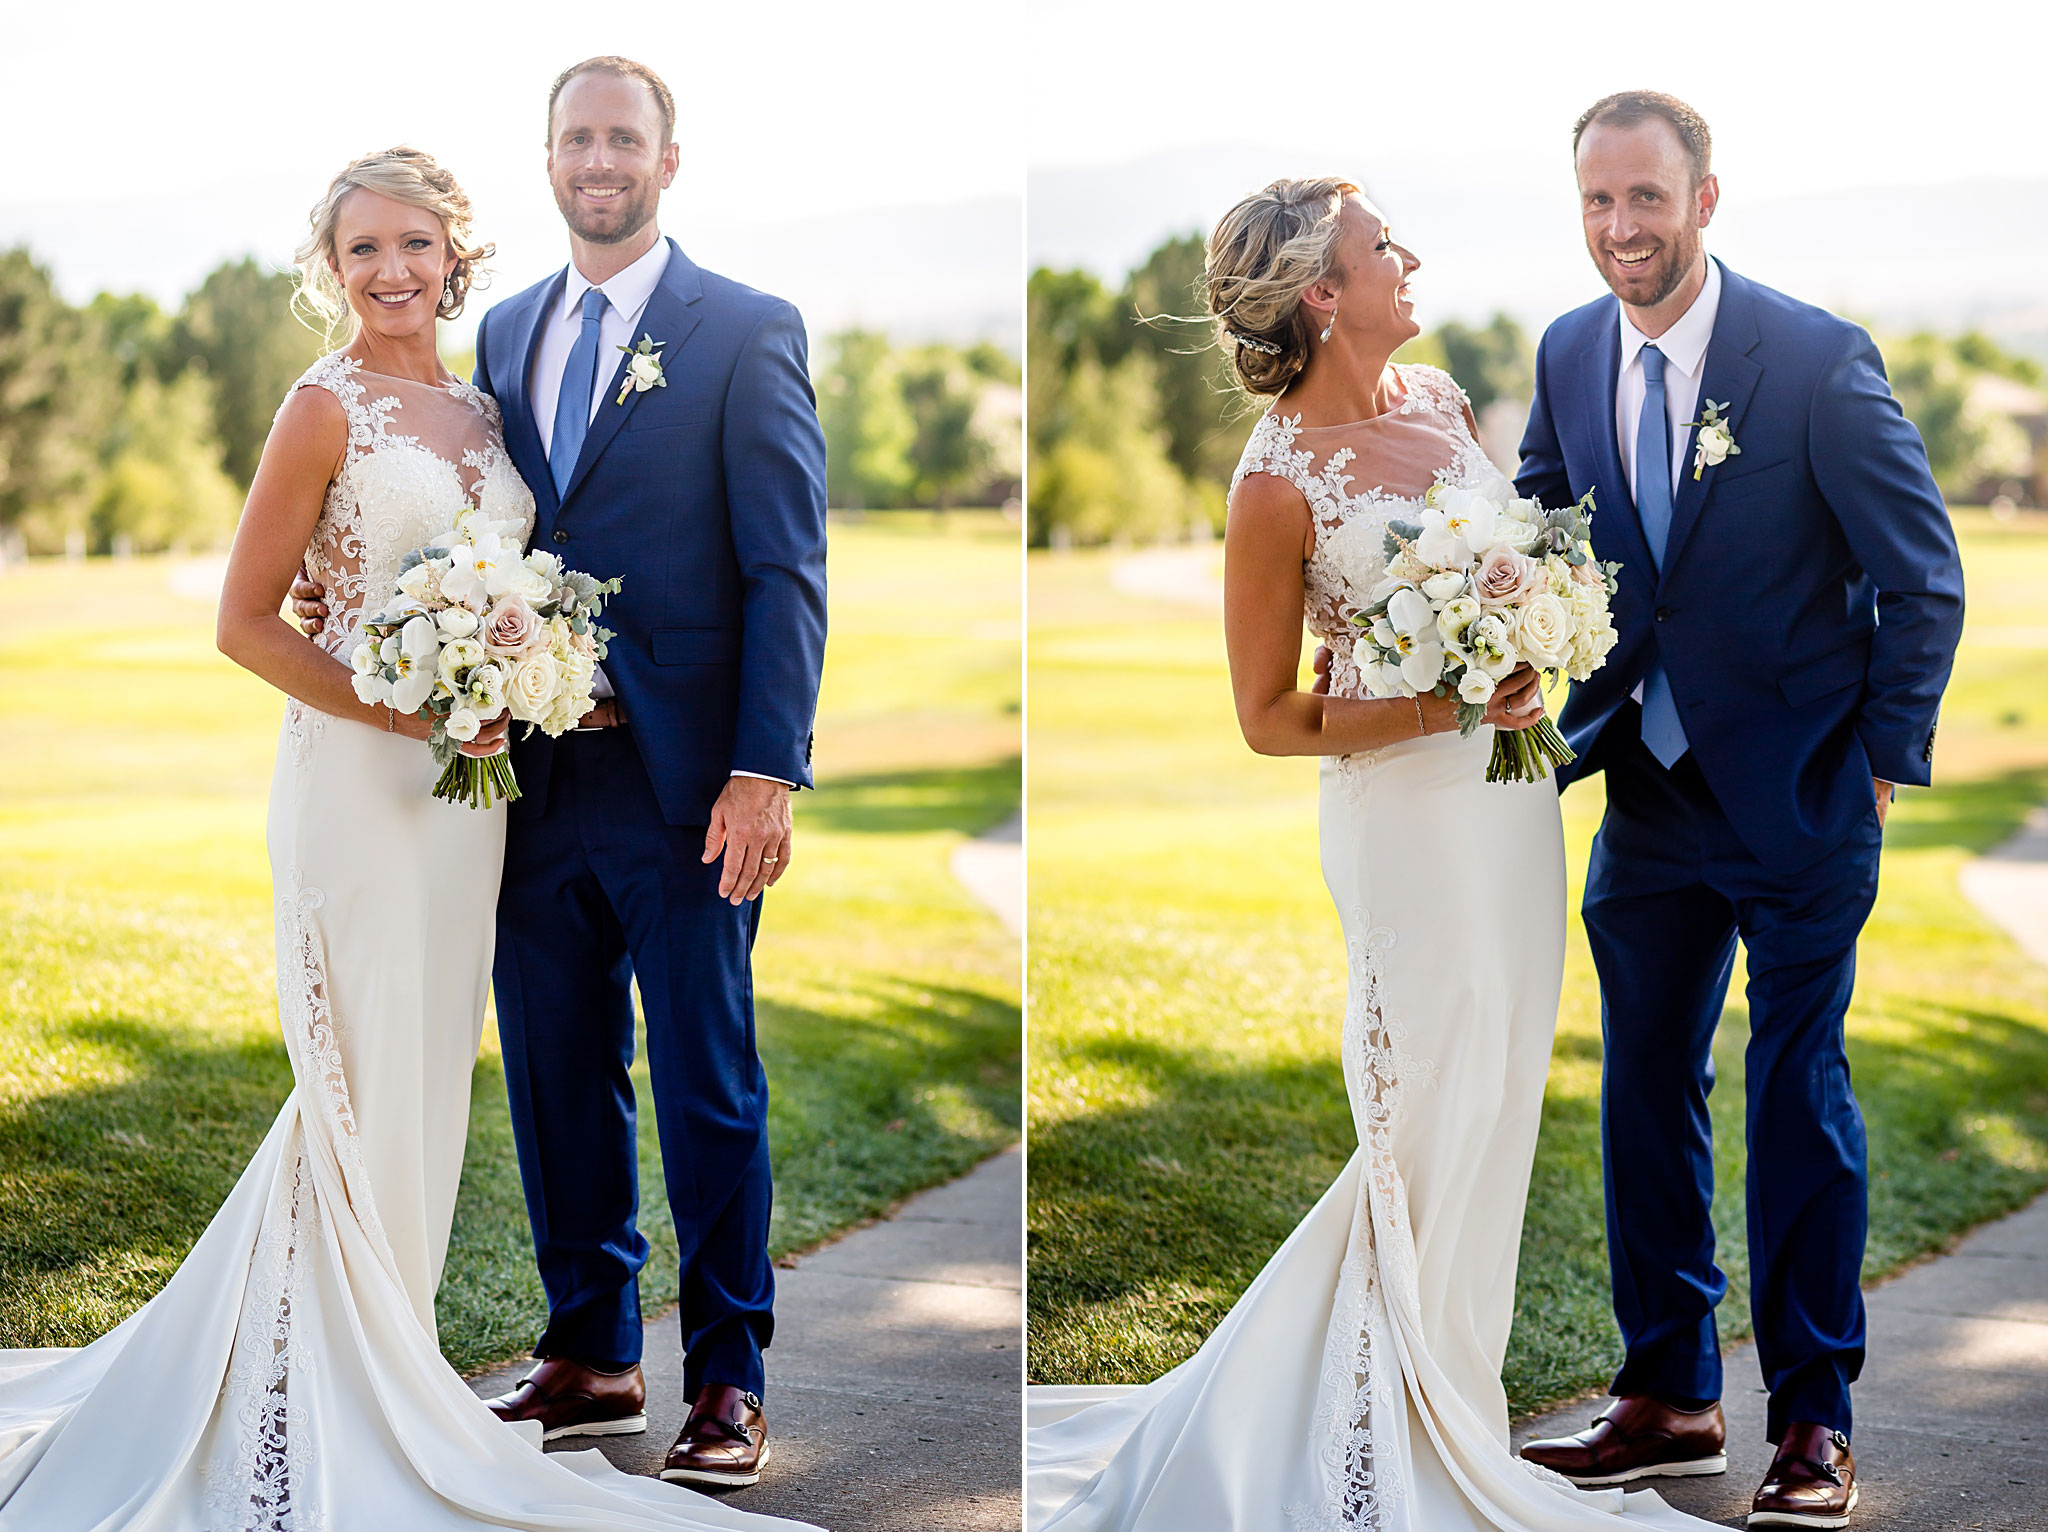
(643, 367)
(1715, 443)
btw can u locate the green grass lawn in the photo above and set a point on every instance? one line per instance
(139, 1058)
(1186, 1104)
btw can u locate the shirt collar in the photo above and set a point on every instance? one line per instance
(628, 290)
(1685, 344)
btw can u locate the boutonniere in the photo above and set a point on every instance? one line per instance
(643, 367)
(1715, 441)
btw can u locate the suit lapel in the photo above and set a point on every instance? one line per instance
(522, 431)
(1612, 504)
(669, 318)
(1730, 378)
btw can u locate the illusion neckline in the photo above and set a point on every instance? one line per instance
(1399, 407)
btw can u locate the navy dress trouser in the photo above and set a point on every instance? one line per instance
(599, 891)
(1669, 888)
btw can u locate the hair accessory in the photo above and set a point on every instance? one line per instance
(1265, 346)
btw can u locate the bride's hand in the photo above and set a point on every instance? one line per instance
(491, 738)
(1518, 700)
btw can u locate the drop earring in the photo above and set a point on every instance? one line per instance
(1332, 324)
(448, 295)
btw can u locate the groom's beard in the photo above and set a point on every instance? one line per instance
(1648, 285)
(631, 212)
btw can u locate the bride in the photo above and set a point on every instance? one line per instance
(1356, 1384)
(287, 1378)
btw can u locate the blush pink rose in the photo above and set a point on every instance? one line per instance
(1505, 577)
(513, 629)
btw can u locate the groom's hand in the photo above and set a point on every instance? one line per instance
(309, 604)
(750, 827)
(1885, 793)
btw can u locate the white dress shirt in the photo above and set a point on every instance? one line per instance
(1685, 365)
(627, 293)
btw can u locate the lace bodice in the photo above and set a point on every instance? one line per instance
(1398, 456)
(417, 453)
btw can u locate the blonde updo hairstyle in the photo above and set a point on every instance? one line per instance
(404, 175)
(1266, 252)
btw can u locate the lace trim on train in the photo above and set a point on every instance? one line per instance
(1361, 1378)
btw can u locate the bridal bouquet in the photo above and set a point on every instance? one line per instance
(474, 628)
(1486, 581)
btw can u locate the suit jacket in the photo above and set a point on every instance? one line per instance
(707, 498)
(1811, 595)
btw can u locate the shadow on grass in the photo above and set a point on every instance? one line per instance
(1972, 815)
(969, 799)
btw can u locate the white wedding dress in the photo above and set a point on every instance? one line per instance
(1356, 1384)
(287, 1377)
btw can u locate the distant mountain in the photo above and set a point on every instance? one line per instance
(948, 272)
(1948, 257)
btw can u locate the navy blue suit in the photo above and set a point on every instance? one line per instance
(707, 497)
(1807, 612)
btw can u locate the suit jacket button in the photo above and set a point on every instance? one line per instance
(1663, 612)
(561, 536)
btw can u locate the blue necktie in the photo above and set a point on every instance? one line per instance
(572, 404)
(1662, 731)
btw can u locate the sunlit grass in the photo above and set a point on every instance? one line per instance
(1187, 987)
(139, 1058)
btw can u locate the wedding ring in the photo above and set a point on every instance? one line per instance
(770, 861)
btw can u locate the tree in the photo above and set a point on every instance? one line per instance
(163, 485)
(238, 327)
(55, 396)
(1109, 474)
(1198, 403)
(948, 458)
(1494, 363)
(869, 431)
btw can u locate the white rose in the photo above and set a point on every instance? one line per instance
(531, 583)
(1442, 587)
(1521, 536)
(530, 690)
(1714, 444)
(456, 622)
(364, 659)
(645, 369)
(1476, 686)
(1543, 631)
(463, 724)
(544, 562)
(420, 582)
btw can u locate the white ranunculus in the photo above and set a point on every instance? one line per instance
(530, 690)
(363, 659)
(645, 369)
(1492, 645)
(456, 622)
(1441, 587)
(460, 654)
(1457, 615)
(486, 689)
(463, 724)
(1476, 686)
(1543, 631)
(411, 651)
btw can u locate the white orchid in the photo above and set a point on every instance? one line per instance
(1456, 528)
(1413, 623)
(412, 652)
(480, 569)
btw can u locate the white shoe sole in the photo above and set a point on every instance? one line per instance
(625, 1425)
(1690, 1468)
(722, 1480)
(1793, 1519)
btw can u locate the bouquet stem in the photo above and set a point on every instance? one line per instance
(1526, 755)
(478, 781)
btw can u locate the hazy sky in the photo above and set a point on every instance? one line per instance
(1798, 91)
(148, 141)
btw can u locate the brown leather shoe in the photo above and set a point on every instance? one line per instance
(1637, 1437)
(569, 1399)
(724, 1442)
(1811, 1483)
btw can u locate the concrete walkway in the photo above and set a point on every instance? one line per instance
(2010, 886)
(992, 868)
(895, 1383)
(1951, 1411)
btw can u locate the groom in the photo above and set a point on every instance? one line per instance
(644, 838)
(1789, 610)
